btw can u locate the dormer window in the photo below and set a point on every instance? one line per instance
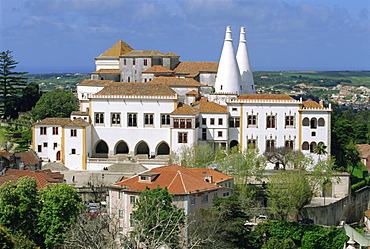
(145, 178)
(148, 177)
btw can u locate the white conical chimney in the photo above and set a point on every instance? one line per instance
(247, 82)
(228, 75)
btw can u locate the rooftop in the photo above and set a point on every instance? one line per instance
(192, 69)
(94, 83)
(136, 89)
(118, 49)
(174, 81)
(185, 109)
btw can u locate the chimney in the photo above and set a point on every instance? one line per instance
(228, 75)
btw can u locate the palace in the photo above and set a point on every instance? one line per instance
(142, 106)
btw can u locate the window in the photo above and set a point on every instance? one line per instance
(252, 120)
(120, 214)
(133, 62)
(115, 118)
(128, 79)
(73, 151)
(289, 121)
(145, 62)
(220, 121)
(321, 122)
(148, 119)
(120, 194)
(204, 199)
(313, 123)
(42, 130)
(182, 123)
(234, 109)
(183, 137)
(252, 143)
(234, 122)
(120, 229)
(270, 122)
(219, 134)
(204, 121)
(226, 194)
(270, 145)
(306, 122)
(73, 132)
(124, 62)
(313, 134)
(132, 120)
(45, 145)
(289, 144)
(204, 134)
(55, 145)
(39, 148)
(99, 118)
(144, 178)
(55, 130)
(176, 123)
(165, 119)
(192, 201)
(212, 121)
(188, 123)
(132, 199)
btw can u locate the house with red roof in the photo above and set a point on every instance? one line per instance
(193, 189)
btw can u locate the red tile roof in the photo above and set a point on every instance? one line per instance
(310, 104)
(158, 69)
(143, 53)
(177, 179)
(192, 69)
(185, 109)
(174, 81)
(94, 83)
(211, 107)
(137, 89)
(107, 71)
(54, 121)
(217, 176)
(265, 96)
(42, 177)
(364, 150)
(192, 92)
(201, 100)
(78, 122)
(118, 49)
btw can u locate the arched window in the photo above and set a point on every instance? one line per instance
(163, 149)
(101, 148)
(321, 122)
(313, 123)
(142, 148)
(312, 146)
(122, 148)
(305, 146)
(306, 122)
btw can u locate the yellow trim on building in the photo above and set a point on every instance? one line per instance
(84, 148)
(241, 127)
(33, 145)
(300, 128)
(62, 156)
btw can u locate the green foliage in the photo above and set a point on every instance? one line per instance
(10, 85)
(60, 208)
(276, 243)
(57, 104)
(157, 221)
(329, 238)
(6, 240)
(30, 96)
(22, 242)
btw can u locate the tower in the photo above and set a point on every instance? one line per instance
(247, 82)
(228, 75)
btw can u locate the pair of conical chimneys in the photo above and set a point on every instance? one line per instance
(234, 74)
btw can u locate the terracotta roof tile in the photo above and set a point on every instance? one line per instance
(217, 176)
(118, 49)
(310, 104)
(158, 69)
(172, 54)
(192, 92)
(364, 150)
(201, 100)
(80, 113)
(141, 53)
(177, 179)
(94, 83)
(192, 69)
(265, 96)
(211, 107)
(174, 81)
(185, 109)
(107, 71)
(137, 89)
(54, 121)
(28, 157)
(78, 122)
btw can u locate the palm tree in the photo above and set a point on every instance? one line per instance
(320, 149)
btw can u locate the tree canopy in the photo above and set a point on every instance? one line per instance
(55, 104)
(11, 83)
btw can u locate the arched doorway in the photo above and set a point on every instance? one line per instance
(58, 156)
(163, 149)
(101, 149)
(142, 148)
(233, 144)
(122, 148)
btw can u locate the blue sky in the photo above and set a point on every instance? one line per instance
(65, 35)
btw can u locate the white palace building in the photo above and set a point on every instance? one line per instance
(142, 105)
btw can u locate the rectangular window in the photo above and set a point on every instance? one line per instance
(219, 134)
(132, 199)
(73, 151)
(220, 121)
(204, 199)
(234, 122)
(115, 119)
(183, 137)
(176, 123)
(165, 119)
(55, 145)
(252, 120)
(182, 123)
(289, 144)
(204, 134)
(270, 145)
(55, 130)
(226, 194)
(149, 119)
(204, 121)
(289, 121)
(42, 130)
(39, 148)
(212, 121)
(234, 109)
(45, 145)
(120, 229)
(133, 62)
(131, 119)
(120, 194)
(188, 123)
(192, 201)
(124, 62)
(145, 62)
(270, 122)
(251, 143)
(99, 118)
(73, 132)
(120, 214)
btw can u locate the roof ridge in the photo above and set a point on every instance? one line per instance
(182, 180)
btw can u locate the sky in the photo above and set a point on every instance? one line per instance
(56, 36)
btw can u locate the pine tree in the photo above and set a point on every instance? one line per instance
(10, 85)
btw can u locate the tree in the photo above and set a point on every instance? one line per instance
(320, 149)
(6, 240)
(30, 96)
(55, 104)
(60, 208)
(156, 221)
(278, 155)
(10, 85)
